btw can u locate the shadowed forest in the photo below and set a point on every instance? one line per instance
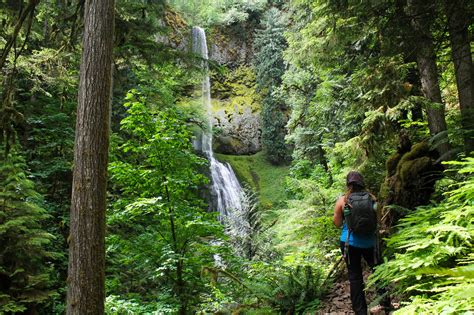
(185, 156)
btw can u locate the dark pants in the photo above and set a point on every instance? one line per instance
(354, 267)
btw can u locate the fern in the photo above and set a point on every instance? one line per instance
(289, 289)
(433, 253)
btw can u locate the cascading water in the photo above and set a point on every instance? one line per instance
(226, 189)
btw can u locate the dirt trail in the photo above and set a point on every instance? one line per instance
(338, 301)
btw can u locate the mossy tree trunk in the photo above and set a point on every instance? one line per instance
(86, 275)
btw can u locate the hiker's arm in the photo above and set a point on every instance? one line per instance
(338, 212)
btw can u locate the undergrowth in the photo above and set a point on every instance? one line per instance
(433, 263)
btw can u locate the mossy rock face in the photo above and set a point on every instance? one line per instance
(411, 179)
(180, 35)
(239, 132)
(231, 48)
(228, 145)
(179, 26)
(236, 87)
(236, 112)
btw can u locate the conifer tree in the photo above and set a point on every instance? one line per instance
(269, 45)
(24, 275)
(421, 15)
(458, 25)
(86, 271)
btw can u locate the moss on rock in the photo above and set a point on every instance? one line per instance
(410, 179)
(180, 28)
(391, 164)
(236, 111)
(235, 88)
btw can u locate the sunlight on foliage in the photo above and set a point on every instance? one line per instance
(433, 252)
(212, 12)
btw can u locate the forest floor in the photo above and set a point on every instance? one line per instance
(338, 301)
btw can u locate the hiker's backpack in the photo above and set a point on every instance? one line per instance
(360, 214)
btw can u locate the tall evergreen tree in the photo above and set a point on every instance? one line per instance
(421, 14)
(458, 24)
(269, 46)
(24, 276)
(86, 274)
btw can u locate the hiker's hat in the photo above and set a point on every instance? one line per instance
(354, 177)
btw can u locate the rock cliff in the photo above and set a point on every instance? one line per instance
(236, 108)
(236, 102)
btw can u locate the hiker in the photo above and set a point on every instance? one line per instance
(355, 211)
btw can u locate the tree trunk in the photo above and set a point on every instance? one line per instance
(421, 15)
(458, 23)
(86, 277)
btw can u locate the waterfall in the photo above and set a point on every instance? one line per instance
(225, 188)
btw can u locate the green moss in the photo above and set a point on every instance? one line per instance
(263, 177)
(412, 183)
(235, 90)
(384, 190)
(179, 26)
(414, 163)
(391, 164)
(411, 169)
(417, 150)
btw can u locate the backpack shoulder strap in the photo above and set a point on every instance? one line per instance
(346, 200)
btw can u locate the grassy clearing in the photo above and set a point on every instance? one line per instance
(265, 178)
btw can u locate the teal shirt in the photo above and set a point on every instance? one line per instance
(357, 240)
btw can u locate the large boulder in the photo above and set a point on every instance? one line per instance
(238, 131)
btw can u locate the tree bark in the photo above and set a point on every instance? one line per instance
(458, 23)
(421, 15)
(86, 275)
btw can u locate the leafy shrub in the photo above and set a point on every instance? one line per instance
(159, 229)
(305, 225)
(115, 305)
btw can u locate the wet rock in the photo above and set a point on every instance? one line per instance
(231, 47)
(239, 132)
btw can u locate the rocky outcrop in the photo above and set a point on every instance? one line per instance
(238, 132)
(231, 52)
(230, 47)
(236, 111)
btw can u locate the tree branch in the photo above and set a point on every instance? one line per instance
(23, 15)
